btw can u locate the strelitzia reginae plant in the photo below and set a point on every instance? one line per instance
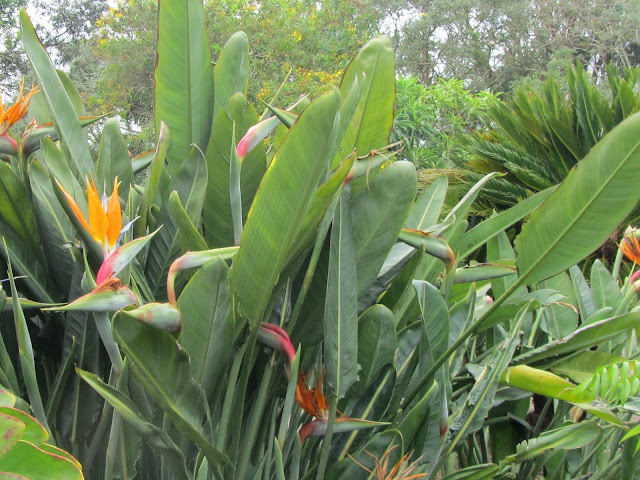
(249, 276)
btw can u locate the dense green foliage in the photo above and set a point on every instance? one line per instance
(270, 298)
(543, 132)
(432, 122)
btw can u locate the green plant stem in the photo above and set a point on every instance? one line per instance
(227, 404)
(249, 437)
(234, 189)
(610, 470)
(628, 297)
(103, 324)
(326, 443)
(241, 393)
(615, 272)
(25, 351)
(116, 424)
(96, 441)
(279, 463)
(288, 400)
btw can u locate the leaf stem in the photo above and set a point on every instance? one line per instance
(326, 443)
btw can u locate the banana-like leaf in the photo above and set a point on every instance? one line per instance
(64, 115)
(232, 121)
(585, 337)
(480, 234)
(56, 231)
(113, 159)
(374, 69)
(231, 73)
(188, 235)
(15, 208)
(581, 367)
(156, 437)
(33, 136)
(27, 461)
(32, 431)
(207, 333)
(581, 214)
(484, 271)
(341, 306)
(433, 245)
(39, 110)
(162, 367)
(277, 212)
(25, 351)
(435, 316)
(190, 183)
(25, 263)
(376, 342)
(157, 176)
(320, 205)
(183, 78)
(377, 215)
(426, 209)
(604, 289)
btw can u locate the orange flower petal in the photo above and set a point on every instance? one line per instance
(311, 400)
(114, 216)
(630, 246)
(75, 208)
(97, 216)
(16, 111)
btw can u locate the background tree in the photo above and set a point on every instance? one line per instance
(67, 23)
(297, 48)
(492, 44)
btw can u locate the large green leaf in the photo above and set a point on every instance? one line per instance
(15, 208)
(207, 334)
(61, 108)
(31, 462)
(376, 341)
(231, 73)
(156, 437)
(162, 366)
(281, 203)
(341, 306)
(183, 78)
(477, 236)
(581, 214)
(231, 121)
(374, 69)
(28, 263)
(435, 316)
(377, 215)
(113, 159)
(586, 337)
(56, 231)
(188, 234)
(426, 210)
(190, 183)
